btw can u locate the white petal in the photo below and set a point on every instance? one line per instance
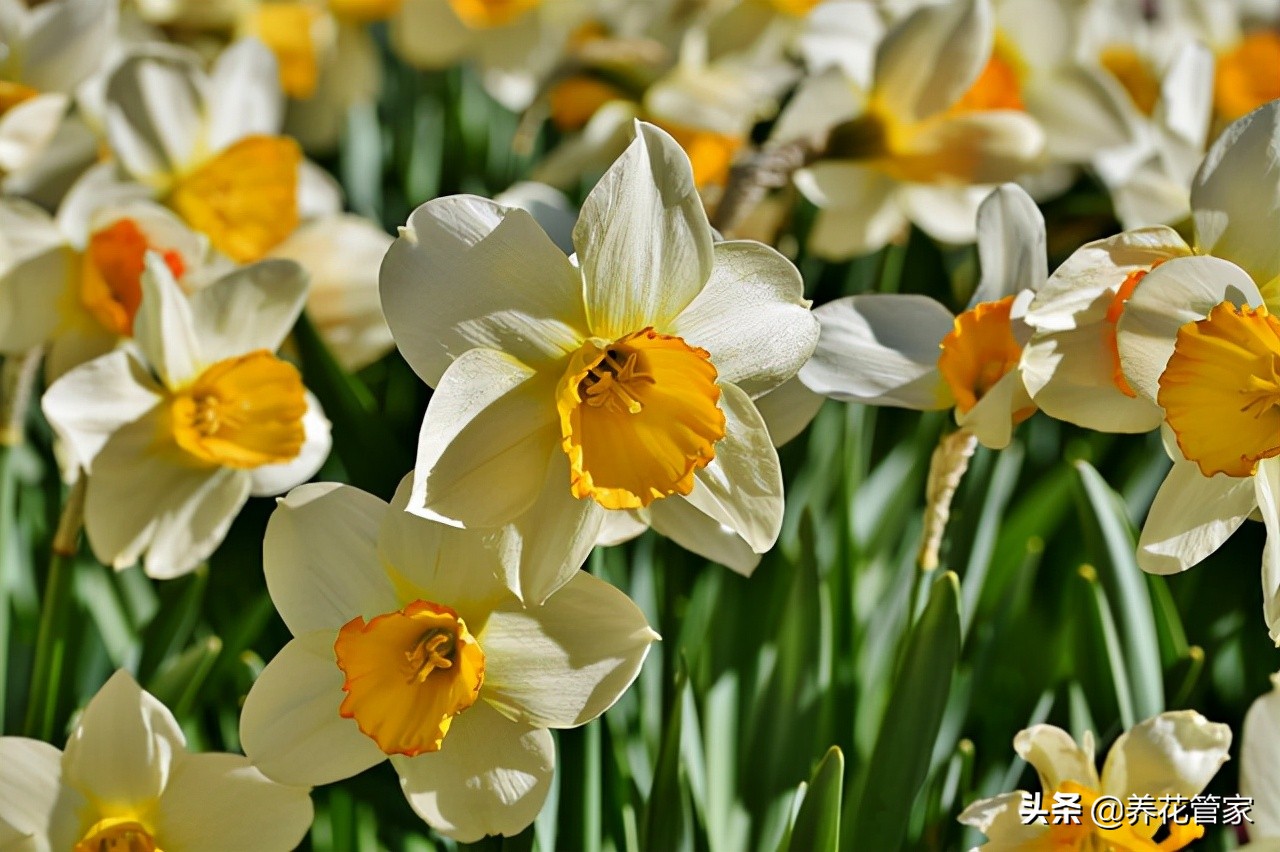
(998, 818)
(644, 245)
(1191, 516)
(88, 404)
(822, 101)
(1175, 293)
(271, 479)
(544, 547)
(956, 37)
(290, 727)
(319, 193)
(1079, 114)
(565, 662)
(488, 433)
(550, 207)
(1174, 753)
(944, 212)
(881, 349)
(1011, 245)
(858, 213)
(788, 409)
(66, 43)
(33, 801)
(974, 148)
(121, 751)
(490, 776)
(466, 272)
(1234, 199)
(1056, 757)
(320, 558)
(752, 317)
(244, 95)
(36, 270)
(619, 527)
(1260, 763)
(155, 106)
(193, 520)
(101, 187)
(1267, 487)
(991, 418)
(428, 34)
(164, 327)
(215, 802)
(742, 486)
(27, 129)
(252, 308)
(680, 521)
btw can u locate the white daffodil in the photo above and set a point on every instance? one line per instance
(408, 646)
(207, 145)
(45, 53)
(910, 351)
(127, 782)
(924, 144)
(76, 285)
(1260, 769)
(1072, 364)
(176, 432)
(1171, 755)
(564, 392)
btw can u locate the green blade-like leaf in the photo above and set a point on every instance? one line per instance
(817, 825)
(668, 820)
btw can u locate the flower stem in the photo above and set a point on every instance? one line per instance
(55, 608)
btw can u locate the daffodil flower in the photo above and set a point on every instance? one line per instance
(910, 351)
(564, 392)
(207, 145)
(1260, 769)
(127, 782)
(1171, 755)
(919, 144)
(176, 431)
(46, 51)
(407, 646)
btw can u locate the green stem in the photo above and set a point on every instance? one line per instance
(55, 608)
(8, 547)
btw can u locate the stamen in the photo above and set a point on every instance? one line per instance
(606, 383)
(433, 651)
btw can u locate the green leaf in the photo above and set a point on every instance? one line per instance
(900, 761)
(668, 820)
(179, 681)
(817, 825)
(1101, 627)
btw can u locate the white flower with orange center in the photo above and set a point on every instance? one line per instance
(1072, 364)
(1171, 755)
(126, 783)
(45, 53)
(924, 143)
(407, 645)
(565, 390)
(178, 429)
(207, 145)
(910, 351)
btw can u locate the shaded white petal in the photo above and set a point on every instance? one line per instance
(550, 207)
(682, 522)
(752, 317)
(1056, 757)
(36, 268)
(788, 409)
(466, 272)
(319, 193)
(193, 520)
(123, 747)
(1078, 112)
(644, 244)
(1191, 516)
(164, 328)
(428, 34)
(591, 150)
(88, 404)
(1175, 753)
(822, 101)
(946, 213)
(244, 94)
(956, 37)
(1267, 488)
(215, 802)
(320, 557)
(1180, 291)
(858, 213)
(490, 776)
(619, 527)
(998, 818)
(1235, 200)
(33, 801)
(101, 187)
(565, 662)
(27, 129)
(742, 486)
(270, 479)
(985, 147)
(1260, 763)
(290, 727)
(991, 418)
(1011, 245)
(488, 432)
(155, 107)
(881, 349)
(252, 308)
(66, 43)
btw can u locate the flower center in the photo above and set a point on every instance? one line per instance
(638, 417)
(12, 94)
(117, 834)
(1114, 311)
(243, 412)
(484, 14)
(408, 673)
(710, 153)
(795, 8)
(978, 352)
(999, 86)
(245, 198)
(575, 99)
(1136, 835)
(1221, 389)
(365, 11)
(1134, 74)
(1247, 75)
(111, 275)
(289, 29)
